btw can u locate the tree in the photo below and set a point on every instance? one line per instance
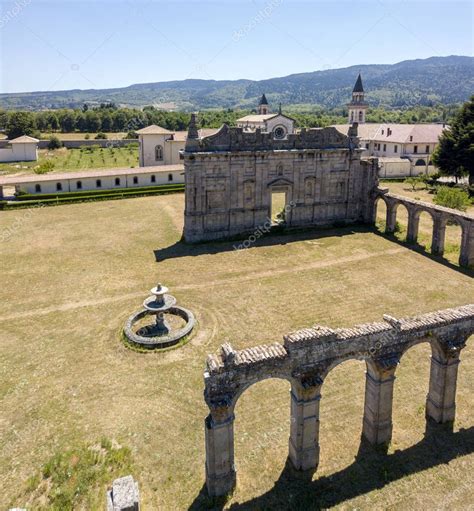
(452, 198)
(454, 155)
(20, 123)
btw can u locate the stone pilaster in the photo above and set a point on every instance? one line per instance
(441, 399)
(380, 377)
(391, 219)
(466, 257)
(220, 470)
(304, 427)
(413, 223)
(439, 231)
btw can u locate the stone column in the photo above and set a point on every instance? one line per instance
(437, 242)
(441, 399)
(220, 470)
(413, 223)
(466, 257)
(304, 427)
(391, 219)
(380, 377)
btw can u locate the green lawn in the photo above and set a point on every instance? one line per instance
(77, 159)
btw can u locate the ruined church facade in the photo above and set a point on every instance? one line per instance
(231, 176)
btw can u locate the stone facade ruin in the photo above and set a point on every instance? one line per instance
(305, 359)
(231, 175)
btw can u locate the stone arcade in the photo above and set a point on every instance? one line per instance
(305, 359)
(231, 176)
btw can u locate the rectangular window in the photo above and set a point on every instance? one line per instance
(395, 149)
(415, 149)
(153, 178)
(367, 146)
(59, 187)
(385, 147)
(427, 149)
(79, 185)
(117, 181)
(170, 177)
(135, 180)
(98, 183)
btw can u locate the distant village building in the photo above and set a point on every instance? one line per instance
(23, 148)
(279, 125)
(402, 149)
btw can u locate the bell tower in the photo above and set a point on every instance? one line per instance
(263, 106)
(357, 106)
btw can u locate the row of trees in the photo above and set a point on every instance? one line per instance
(109, 118)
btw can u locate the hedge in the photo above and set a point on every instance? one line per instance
(92, 193)
(127, 194)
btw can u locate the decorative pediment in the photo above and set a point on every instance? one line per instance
(280, 181)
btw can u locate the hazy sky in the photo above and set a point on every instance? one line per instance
(69, 44)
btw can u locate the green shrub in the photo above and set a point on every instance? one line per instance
(87, 136)
(101, 136)
(44, 167)
(452, 198)
(131, 134)
(54, 143)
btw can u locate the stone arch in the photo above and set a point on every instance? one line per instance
(420, 163)
(343, 386)
(380, 213)
(455, 235)
(409, 395)
(397, 220)
(420, 219)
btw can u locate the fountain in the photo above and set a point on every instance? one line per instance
(160, 333)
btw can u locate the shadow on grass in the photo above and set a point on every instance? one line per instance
(372, 469)
(282, 237)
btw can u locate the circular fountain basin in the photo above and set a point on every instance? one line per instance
(159, 341)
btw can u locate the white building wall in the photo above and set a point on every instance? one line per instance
(19, 152)
(280, 120)
(147, 147)
(107, 182)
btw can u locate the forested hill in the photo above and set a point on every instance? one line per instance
(408, 83)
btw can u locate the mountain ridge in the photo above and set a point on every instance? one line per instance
(428, 81)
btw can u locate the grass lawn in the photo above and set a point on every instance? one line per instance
(77, 159)
(71, 275)
(82, 136)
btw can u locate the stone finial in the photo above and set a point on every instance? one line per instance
(192, 128)
(396, 323)
(124, 495)
(228, 353)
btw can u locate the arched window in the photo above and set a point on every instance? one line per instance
(79, 185)
(352, 115)
(38, 188)
(360, 115)
(158, 153)
(420, 163)
(59, 187)
(170, 177)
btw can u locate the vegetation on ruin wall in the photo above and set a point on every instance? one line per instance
(77, 478)
(109, 118)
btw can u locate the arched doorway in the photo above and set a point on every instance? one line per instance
(409, 396)
(401, 222)
(341, 415)
(425, 230)
(261, 434)
(380, 215)
(452, 241)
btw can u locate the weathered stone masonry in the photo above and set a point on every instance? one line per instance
(306, 357)
(230, 177)
(440, 216)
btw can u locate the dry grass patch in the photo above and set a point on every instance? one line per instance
(72, 274)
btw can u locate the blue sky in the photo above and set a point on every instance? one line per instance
(68, 44)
